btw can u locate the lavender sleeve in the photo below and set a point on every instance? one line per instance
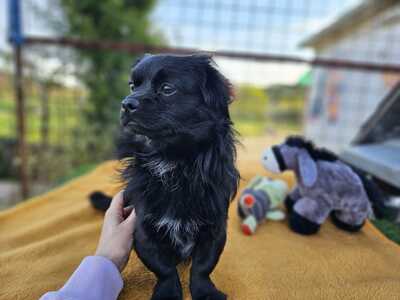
(96, 278)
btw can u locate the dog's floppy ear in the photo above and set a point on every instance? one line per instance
(140, 58)
(216, 89)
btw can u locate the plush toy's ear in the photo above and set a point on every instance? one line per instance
(307, 169)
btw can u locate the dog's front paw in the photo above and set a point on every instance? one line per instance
(215, 295)
(202, 288)
(169, 289)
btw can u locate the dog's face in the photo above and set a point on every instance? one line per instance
(175, 99)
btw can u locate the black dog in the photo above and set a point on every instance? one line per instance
(179, 151)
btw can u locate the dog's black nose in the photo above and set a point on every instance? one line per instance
(130, 104)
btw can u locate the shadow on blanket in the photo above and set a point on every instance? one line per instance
(43, 240)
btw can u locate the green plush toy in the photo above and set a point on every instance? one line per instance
(261, 200)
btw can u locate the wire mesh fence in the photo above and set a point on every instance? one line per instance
(318, 67)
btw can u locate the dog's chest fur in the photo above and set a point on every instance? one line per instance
(181, 233)
(159, 167)
(177, 201)
(179, 228)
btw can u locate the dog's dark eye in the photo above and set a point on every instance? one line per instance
(167, 89)
(131, 86)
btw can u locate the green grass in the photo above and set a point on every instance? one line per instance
(249, 127)
(389, 229)
(259, 127)
(65, 116)
(79, 171)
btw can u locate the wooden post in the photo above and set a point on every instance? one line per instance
(20, 117)
(16, 39)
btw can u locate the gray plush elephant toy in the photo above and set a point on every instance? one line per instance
(325, 186)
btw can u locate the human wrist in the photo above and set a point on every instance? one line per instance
(117, 262)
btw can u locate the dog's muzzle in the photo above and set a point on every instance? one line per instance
(128, 107)
(130, 104)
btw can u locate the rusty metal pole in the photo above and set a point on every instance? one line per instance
(20, 117)
(16, 38)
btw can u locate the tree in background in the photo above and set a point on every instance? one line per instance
(250, 102)
(248, 109)
(105, 73)
(287, 103)
(257, 110)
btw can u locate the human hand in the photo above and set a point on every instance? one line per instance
(117, 233)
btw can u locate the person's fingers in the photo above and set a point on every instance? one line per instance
(116, 206)
(130, 220)
(127, 211)
(117, 202)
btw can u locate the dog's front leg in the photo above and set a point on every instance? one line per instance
(168, 286)
(204, 259)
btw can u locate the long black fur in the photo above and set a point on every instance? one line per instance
(189, 135)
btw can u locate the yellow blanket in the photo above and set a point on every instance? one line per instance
(43, 240)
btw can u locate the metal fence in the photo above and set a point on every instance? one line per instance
(333, 61)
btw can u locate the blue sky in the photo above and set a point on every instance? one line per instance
(261, 26)
(273, 26)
